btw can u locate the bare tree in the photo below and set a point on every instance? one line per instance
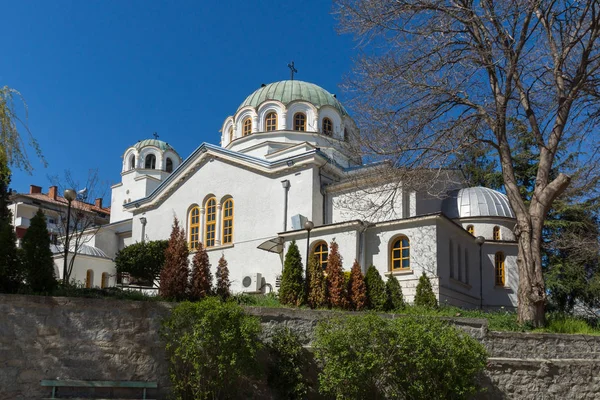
(441, 76)
(86, 218)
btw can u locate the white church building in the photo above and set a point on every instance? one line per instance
(285, 157)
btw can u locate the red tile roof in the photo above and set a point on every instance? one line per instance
(62, 201)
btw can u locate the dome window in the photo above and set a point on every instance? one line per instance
(230, 134)
(300, 122)
(345, 133)
(247, 127)
(169, 166)
(327, 127)
(150, 162)
(496, 233)
(271, 122)
(132, 162)
(471, 229)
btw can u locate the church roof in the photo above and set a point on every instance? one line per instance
(164, 146)
(477, 202)
(84, 249)
(289, 91)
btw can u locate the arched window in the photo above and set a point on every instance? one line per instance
(104, 282)
(247, 127)
(321, 251)
(499, 269)
(194, 227)
(211, 222)
(466, 266)
(230, 134)
(132, 162)
(345, 133)
(169, 166)
(299, 122)
(228, 221)
(89, 279)
(327, 127)
(400, 257)
(271, 122)
(451, 257)
(471, 229)
(459, 263)
(496, 233)
(150, 162)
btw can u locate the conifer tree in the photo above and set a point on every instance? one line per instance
(336, 290)
(395, 299)
(291, 292)
(37, 256)
(425, 296)
(376, 294)
(223, 284)
(316, 284)
(175, 272)
(201, 284)
(10, 269)
(357, 291)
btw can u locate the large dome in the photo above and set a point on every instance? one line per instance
(289, 91)
(476, 202)
(164, 146)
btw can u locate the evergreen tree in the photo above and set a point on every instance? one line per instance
(376, 295)
(201, 284)
(316, 284)
(37, 256)
(223, 284)
(291, 291)
(11, 273)
(425, 296)
(357, 290)
(175, 272)
(395, 299)
(336, 289)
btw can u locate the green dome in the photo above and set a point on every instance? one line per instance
(289, 91)
(164, 146)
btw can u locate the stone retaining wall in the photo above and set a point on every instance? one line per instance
(76, 338)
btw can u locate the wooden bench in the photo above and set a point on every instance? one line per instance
(98, 384)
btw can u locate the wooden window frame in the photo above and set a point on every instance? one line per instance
(499, 269)
(194, 231)
(210, 230)
(89, 279)
(150, 159)
(271, 121)
(471, 229)
(104, 280)
(496, 233)
(327, 122)
(227, 231)
(401, 258)
(321, 250)
(297, 126)
(247, 126)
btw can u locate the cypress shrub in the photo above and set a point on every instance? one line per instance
(11, 273)
(357, 291)
(291, 291)
(395, 299)
(223, 284)
(336, 290)
(376, 294)
(37, 256)
(316, 284)
(175, 272)
(425, 296)
(201, 284)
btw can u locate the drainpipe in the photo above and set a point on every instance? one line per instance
(286, 188)
(362, 243)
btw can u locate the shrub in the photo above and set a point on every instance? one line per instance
(223, 284)
(357, 291)
(395, 299)
(409, 358)
(424, 296)
(37, 256)
(316, 296)
(376, 295)
(209, 345)
(336, 289)
(291, 291)
(175, 272)
(288, 360)
(201, 284)
(143, 260)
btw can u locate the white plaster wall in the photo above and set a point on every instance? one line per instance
(494, 296)
(367, 204)
(82, 264)
(485, 227)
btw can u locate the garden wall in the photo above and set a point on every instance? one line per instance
(76, 338)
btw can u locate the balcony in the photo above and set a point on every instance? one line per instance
(21, 222)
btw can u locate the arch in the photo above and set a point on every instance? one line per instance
(211, 222)
(169, 165)
(104, 280)
(227, 211)
(230, 134)
(327, 127)
(300, 121)
(321, 250)
(400, 254)
(194, 227)
(247, 126)
(89, 279)
(471, 229)
(271, 121)
(150, 162)
(496, 233)
(499, 274)
(132, 162)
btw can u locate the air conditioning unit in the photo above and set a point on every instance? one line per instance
(298, 221)
(252, 282)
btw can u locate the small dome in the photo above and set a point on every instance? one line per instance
(476, 202)
(164, 146)
(289, 91)
(83, 249)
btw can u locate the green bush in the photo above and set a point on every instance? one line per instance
(395, 299)
(425, 296)
(143, 260)
(409, 358)
(209, 345)
(376, 294)
(288, 359)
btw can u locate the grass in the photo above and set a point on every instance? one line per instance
(109, 293)
(258, 300)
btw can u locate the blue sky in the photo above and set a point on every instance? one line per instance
(100, 75)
